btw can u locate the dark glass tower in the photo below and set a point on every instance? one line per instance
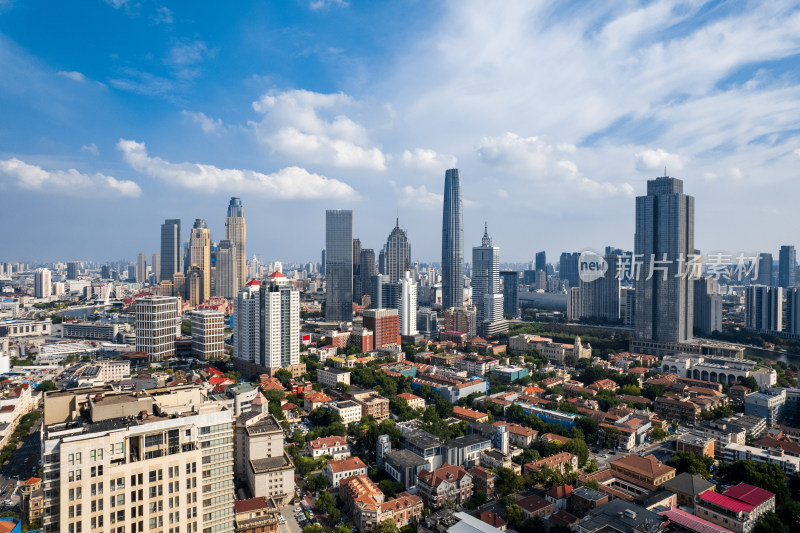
(787, 262)
(339, 265)
(171, 249)
(397, 254)
(452, 242)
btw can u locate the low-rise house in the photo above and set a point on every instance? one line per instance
(687, 487)
(584, 499)
(644, 468)
(535, 505)
(695, 444)
(558, 495)
(519, 435)
(335, 447)
(469, 415)
(483, 480)
(493, 520)
(369, 508)
(256, 515)
(447, 483)
(737, 509)
(315, 400)
(336, 471)
(413, 401)
(557, 462)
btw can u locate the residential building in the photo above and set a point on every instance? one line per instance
(600, 298)
(722, 432)
(339, 265)
(519, 435)
(366, 503)
(535, 505)
(584, 499)
(460, 319)
(171, 253)
(768, 404)
(469, 415)
(765, 268)
(236, 235)
(424, 445)
(446, 484)
(737, 452)
(558, 495)
(158, 459)
(384, 323)
(695, 444)
(349, 411)
(452, 242)
(207, 334)
(31, 499)
(413, 401)
(621, 516)
(73, 270)
(465, 451)
(643, 468)
(737, 509)
(155, 267)
(226, 281)
(483, 480)
(329, 377)
(200, 258)
(763, 308)
(339, 469)
(42, 285)
(407, 312)
(261, 460)
(665, 231)
(707, 306)
(563, 462)
(256, 515)
(157, 323)
(404, 466)
(676, 409)
(141, 268)
(372, 404)
(687, 487)
(247, 323)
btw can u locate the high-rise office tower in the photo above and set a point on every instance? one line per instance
(408, 305)
(764, 271)
(73, 270)
(155, 267)
(568, 268)
(541, 262)
(137, 461)
(763, 308)
(357, 271)
(339, 265)
(226, 277)
(366, 272)
(200, 256)
(510, 292)
(397, 254)
(428, 323)
(280, 326)
(105, 272)
(132, 272)
(194, 286)
(236, 233)
(322, 265)
(42, 286)
(600, 298)
(141, 268)
(707, 306)
(208, 329)
(664, 232)
(787, 262)
(792, 324)
(486, 294)
(452, 242)
(157, 322)
(171, 249)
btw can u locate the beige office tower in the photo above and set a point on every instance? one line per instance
(200, 256)
(155, 460)
(155, 267)
(179, 285)
(194, 286)
(157, 320)
(227, 285)
(42, 286)
(141, 268)
(207, 333)
(236, 233)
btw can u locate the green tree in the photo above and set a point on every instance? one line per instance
(390, 487)
(387, 526)
(508, 482)
(315, 528)
(590, 467)
(283, 376)
(658, 434)
(578, 447)
(770, 522)
(46, 385)
(691, 463)
(514, 515)
(750, 382)
(633, 390)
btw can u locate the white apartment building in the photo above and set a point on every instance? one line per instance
(208, 329)
(247, 322)
(329, 377)
(42, 287)
(159, 460)
(157, 322)
(408, 305)
(739, 452)
(349, 410)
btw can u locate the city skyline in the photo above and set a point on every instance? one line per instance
(343, 121)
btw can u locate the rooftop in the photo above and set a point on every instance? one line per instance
(687, 483)
(405, 459)
(647, 465)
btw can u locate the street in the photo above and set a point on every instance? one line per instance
(290, 526)
(23, 464)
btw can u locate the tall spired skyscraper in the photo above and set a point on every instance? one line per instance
(452, 242)
(486, 293)
(397, 254)
(236, 233)
(171, 253)
(665, 233)
(200, 257)
(339, 265)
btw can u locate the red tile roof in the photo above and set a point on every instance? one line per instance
(346, 465)
(533, 503)
(732, 504)
(253, 504)
(327, 442)
(253, 282)
(560, 491)
(492, 519)
(749, 494)
(276, 275)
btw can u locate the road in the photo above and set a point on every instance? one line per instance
(291, 525)
(25, 460)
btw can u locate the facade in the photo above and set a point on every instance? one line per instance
(334, 446)
(695, 444)
(787, 263)
(765, 266)
(600, 298)
(157, 322)
(261, 460)
(200, 257)
(535, 505)
(366, 273)
(737, 509)
(768, 404)
(792, 318)
(397, 254)
(349, 411)
(340, 469)
(155, 267)
(226, 280)
(384, 323)
(510, 292)
(280, 323)
(462, 320)
(665, 231)
(158, 459)
(208, 329)
(707, 306)
(563, 462)
(339, 265)
(247, 323)
(256, 515)
(372, 404)
(763, 308)
(141, 268)
(171, 253)
(413, 401)
(408, 305)
(42, 285)
(486, 293)
(643, 468)
(738, 452)
(447, 484)
(687, 487)
(679, 410)
(369, 508)
(236, 235)
(73, 270)
(452, 242)
(329, 377)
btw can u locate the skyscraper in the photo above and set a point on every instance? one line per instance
(397, 254)
(541, 262)
(280, 325)
(510, 292)
(236, 233)
(208, 332)
(156, 320)
(452, 242)
(408, 305)
(787, 262)
(339, 265)
(664, 232)
(247, 322)
(600, 298)
(73, 270)
(171, 253)
(141, 268)
(357, 271)
(226, 277)
(155, 267)
(486, 293)
(568, 268)
(764, 270)
(792, 311)
(42, 287)
(366, 273)
(707, 306)
(763, 308)
(200, 256)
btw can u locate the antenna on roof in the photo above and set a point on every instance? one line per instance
(665, 171)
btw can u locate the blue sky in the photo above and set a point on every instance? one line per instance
(117, 114)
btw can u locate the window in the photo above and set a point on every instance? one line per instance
(155, 475)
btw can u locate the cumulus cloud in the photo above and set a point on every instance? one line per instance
(417, 197)
(428, 161)
(287, 184)
(69, 182)
(91, 148)
(73, 75)
(206, 123)
(648, 160)
(310, 126)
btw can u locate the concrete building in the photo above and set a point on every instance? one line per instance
(510, 279)
(768, 404)
(256, 515)
(600, 298)
(763, 308)
(261, 460)
(247, 323)
(329, 377)
(461, 319)
(452, 242)
(404, 467)
(739, 452)
(695, 444)
(447, 484)
(643, 468)
(369, 508)
(340, 469)
(687, 487)
(42, 284)
(407, 312)
(384, 323)
(141, 268)
(200, 257)
(73, 270)
(792, 318)
(227, 282)
(208, 330)
(707, 306)
(280, 325)
(737, 509)
(348, 410)
(765, 266)
(339, 265)
(155, 267)
(157, 324)
(171, 255)
(158, 459)
(334, 446)
(665, 231)
(787, 263)
(236, 235)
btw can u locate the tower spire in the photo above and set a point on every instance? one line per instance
(486, 241)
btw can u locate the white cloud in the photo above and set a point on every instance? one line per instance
(513, 151)
(418, 197)
(797, 151)
(184, 58)
(117, 4)
(427, 161)
(91, 148)
(69, 182)
(309, 126)
(287, 184)
(73, 75)
(315, 5)
(163, 15)
(144, 83)
(207, 124)
(648, 160)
